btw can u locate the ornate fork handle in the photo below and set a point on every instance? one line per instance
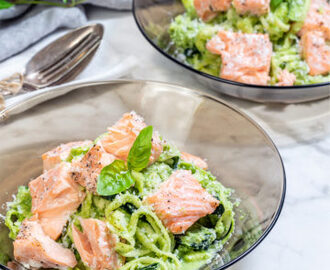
(11, 85)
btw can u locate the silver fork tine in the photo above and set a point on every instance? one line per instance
(68, 57)
(69, 53)
(64, 55)
(74, 61)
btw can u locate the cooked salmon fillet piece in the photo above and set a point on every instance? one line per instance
(60, 153)
(204, 10)
(33, 248)
(197, 161)
(55, 196)
(220, 5)
(318, 18)
(181, 201)
(86, 171)
(245, 57)
(254, 7)
(96, 245)
(286, 78)
(207, 9)
(316, 52)
(121, 137)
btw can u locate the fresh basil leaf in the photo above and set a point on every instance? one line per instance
(114, 179)
(4, 4)
(275, 3)
(139, 155)
(77, 152)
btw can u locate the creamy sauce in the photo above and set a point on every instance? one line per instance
(195, 265)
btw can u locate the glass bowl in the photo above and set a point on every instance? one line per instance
(154, 17)
(239, 152)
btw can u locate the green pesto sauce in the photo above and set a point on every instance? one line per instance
(206, 258)
(193, 265)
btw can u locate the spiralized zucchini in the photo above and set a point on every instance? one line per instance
(19, 210)
(189, 35)
(144, 240)
(144, 243)
(142, 237)
(287, 56)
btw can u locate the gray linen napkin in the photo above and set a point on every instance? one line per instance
(22, 26)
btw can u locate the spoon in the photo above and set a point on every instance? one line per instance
(57, 63)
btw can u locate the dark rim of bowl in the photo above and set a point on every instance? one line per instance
(273, 87)
(253, 122)
(281, 202)
(237, 110)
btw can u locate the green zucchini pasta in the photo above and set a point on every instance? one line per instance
(143, 239)
(189, 35)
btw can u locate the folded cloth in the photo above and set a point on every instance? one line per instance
(22, 26)
(39, 22)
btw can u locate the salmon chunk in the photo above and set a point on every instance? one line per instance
(197, 161)
(33, 248)
(96, 245)
(181, 201)
(316, 52)
(61, 153)
(245, 57)
(286, 78)
(86, 171)
(55, 196)
(254, 7)
(121, 137)
(207, 9)
(318, 18)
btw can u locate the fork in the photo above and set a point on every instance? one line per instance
(59, 62)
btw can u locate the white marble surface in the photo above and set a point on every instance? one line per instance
(301, 237)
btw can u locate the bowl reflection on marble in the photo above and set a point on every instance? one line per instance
(238, 151)
(154, 17)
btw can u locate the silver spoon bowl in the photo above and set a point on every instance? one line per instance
(59, 62)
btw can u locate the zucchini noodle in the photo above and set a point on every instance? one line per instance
(144, 261)
(141, 237)
(189, 35)
(143, 242)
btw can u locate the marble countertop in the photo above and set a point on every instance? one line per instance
(301, 237)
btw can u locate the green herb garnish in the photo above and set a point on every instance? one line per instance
(117, 177)
(114, 179)
(139, 155)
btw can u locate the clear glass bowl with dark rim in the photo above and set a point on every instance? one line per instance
(239, 153)
(153, 18)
